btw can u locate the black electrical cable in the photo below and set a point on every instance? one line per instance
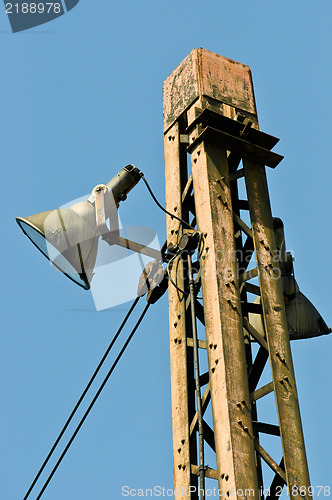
(168, 270)
(93, 401)
(82, 397)
(174, 217)
(162, 208)
(95, 373)
(197, 381)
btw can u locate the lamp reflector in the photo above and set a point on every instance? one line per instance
(67, 239)
(304, 321)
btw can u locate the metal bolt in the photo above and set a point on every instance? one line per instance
(283, 381)
(231, 304)
(245, 428)
(282, 359)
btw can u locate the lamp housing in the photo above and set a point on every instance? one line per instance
(68, 237)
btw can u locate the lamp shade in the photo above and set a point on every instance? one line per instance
(303, 319)
(67, 237)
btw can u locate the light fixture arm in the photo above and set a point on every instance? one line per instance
(112, 237)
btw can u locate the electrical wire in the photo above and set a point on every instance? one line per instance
(168, 270)
(81, 397)
(182, 222)
(170, 277)
(162, 208)
(93, 401)
(191, 284)
(97, 370)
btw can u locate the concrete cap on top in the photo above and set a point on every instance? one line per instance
(204, 73)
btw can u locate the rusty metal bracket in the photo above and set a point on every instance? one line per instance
(238, 137)
(241, 146)
(237, 128)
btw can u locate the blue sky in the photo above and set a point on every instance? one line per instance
(81, 98)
